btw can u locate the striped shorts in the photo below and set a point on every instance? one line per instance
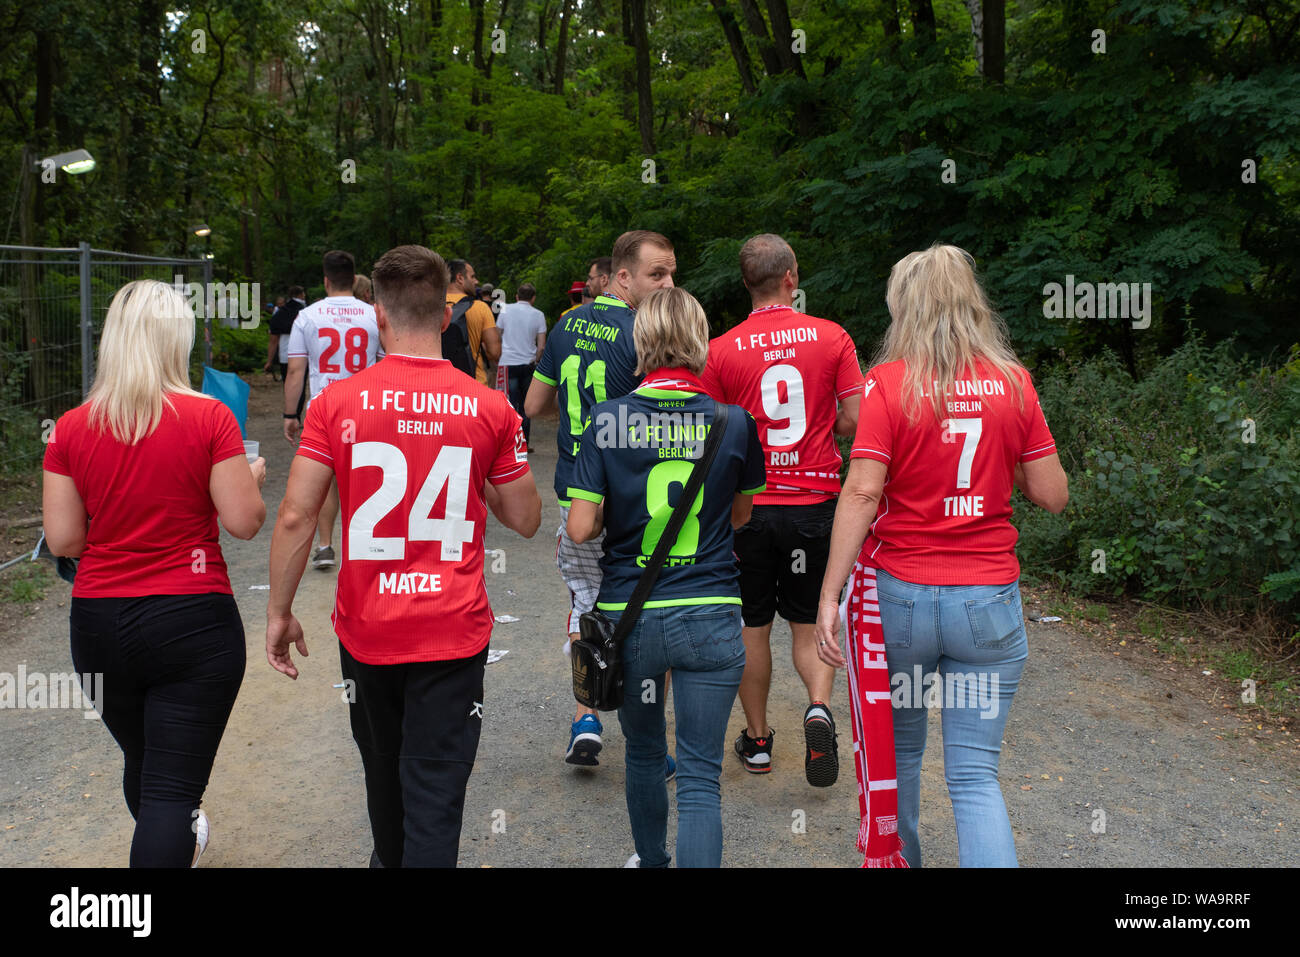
(580, 568)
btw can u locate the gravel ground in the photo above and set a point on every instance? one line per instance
(1181, 779)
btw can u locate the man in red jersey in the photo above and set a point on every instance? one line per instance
(799, 377)
(420, 452)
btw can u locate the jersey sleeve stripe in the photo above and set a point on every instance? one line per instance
(511, 473)
(585, 495)
(849, 391)
(1037, 453)
(547, 379)
(755, 490)
(315, 454)
(870, 453)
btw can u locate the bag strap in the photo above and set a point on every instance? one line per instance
(669, 537)
(459, 309)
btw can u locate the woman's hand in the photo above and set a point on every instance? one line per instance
(259, 470)
(828, 627)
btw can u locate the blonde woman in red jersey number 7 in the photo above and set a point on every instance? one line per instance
(420, 452)
(949, 421)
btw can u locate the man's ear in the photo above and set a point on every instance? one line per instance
(446, 317)
(381, 317)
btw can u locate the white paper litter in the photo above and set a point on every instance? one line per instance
(504, 619)
(494, 655)
(259, 587)
(1046, 618)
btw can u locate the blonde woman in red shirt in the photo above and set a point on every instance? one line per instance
(949, 421)
(135, 480)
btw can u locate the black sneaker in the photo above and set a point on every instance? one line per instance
(324, 557)
(821, 762)
(755, 753)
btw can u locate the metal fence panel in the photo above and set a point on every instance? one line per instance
(52, 308)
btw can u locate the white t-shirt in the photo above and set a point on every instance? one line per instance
(520, 324)
(338, 336)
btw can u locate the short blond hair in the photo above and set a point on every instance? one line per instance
(670, 331)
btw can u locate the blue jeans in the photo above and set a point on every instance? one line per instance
(963, 647)
(703, 647)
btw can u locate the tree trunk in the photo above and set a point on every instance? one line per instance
(890, 19)
(628, 79)
(562, 47)
(976, 8)
(140, 148)
(731, 30)
(995, 40)
(758, 27)
(644, 104)
(783, 36)
(923, 20)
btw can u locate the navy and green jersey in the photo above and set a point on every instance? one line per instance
(636, 454)
(589, 357)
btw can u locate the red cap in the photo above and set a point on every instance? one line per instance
(578, 286)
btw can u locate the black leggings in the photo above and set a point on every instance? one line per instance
(172, 666)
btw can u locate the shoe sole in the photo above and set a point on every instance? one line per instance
(583, 751)
(753, 768)
(326, 564)
(821, 772)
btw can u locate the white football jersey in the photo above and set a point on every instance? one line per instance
(338, 336)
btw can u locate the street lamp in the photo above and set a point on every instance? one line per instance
(73, 162)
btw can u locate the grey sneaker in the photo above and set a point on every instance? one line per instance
(323, 558)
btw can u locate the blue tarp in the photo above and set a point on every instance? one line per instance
(230, 389)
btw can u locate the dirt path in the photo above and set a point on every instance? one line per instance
(1181, 780)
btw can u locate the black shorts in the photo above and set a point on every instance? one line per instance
(782, 554)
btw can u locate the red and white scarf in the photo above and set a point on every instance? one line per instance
(873, 722)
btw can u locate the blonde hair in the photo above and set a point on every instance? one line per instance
(670, 330)
(144, 352)
(942, 322)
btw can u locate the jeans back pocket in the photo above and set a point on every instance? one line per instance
(996, 622)
(896, 620)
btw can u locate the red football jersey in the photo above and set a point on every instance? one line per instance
(411, 441)
(945, 516)
(789, 371)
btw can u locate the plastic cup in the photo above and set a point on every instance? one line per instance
(251, 451)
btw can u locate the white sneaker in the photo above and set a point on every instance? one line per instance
(202, 828)
(633, 861)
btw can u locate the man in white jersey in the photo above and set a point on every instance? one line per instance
(332, 339)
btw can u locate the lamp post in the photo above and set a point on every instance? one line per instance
(204, 231)
(74, 162)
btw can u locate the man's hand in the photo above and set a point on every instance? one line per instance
(828, 626)
(280, 634)
(291, 427)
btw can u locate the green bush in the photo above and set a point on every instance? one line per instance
(1187, 480)
(238, 350)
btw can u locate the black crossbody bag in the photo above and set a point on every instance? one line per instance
(597, 655)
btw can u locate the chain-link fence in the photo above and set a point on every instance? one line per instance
(52, 308)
